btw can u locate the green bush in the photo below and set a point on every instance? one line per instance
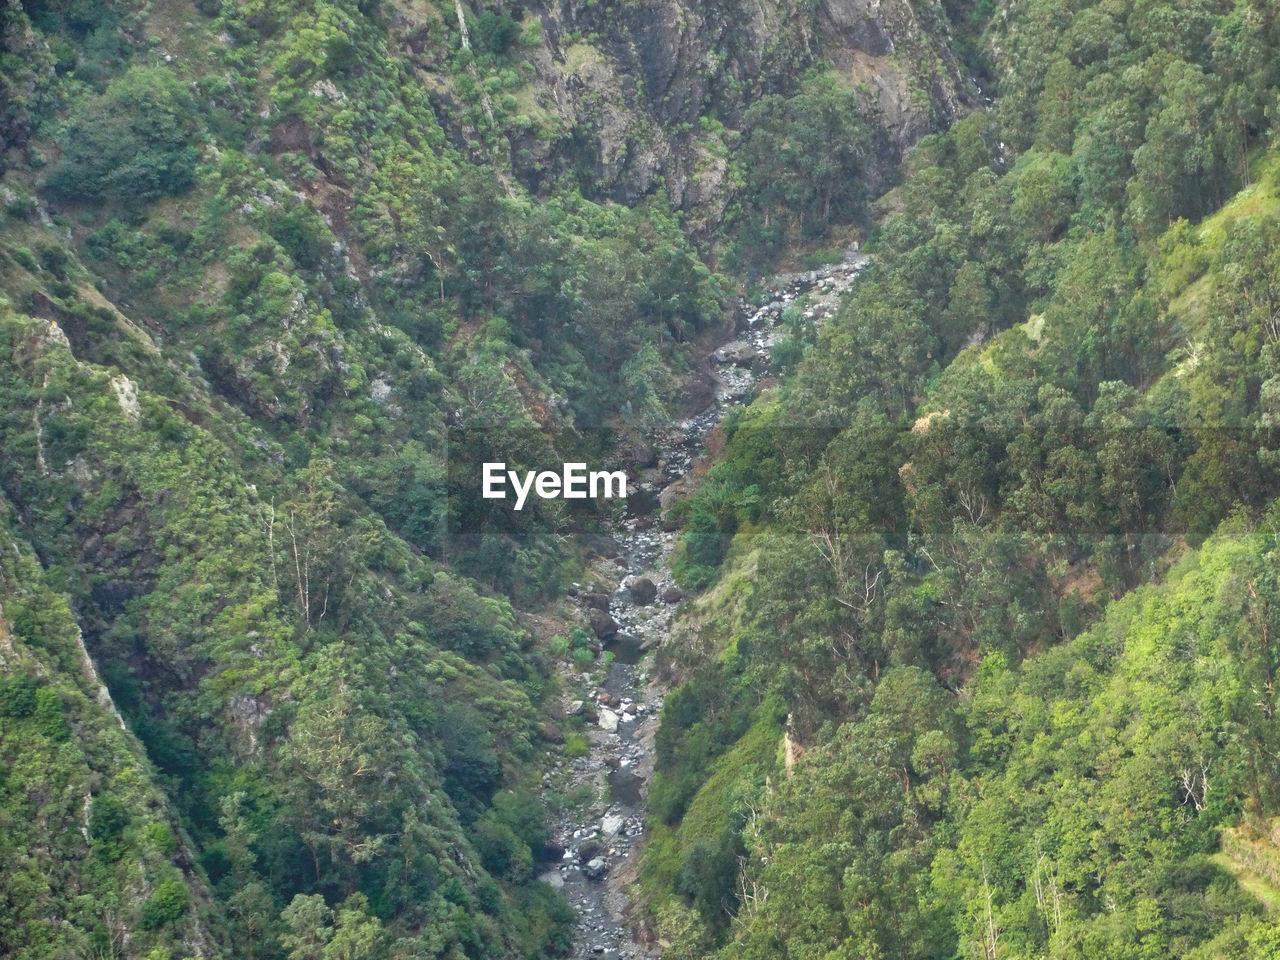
(496, 32)
(108, 820)
(136, 141)
(48, 715)
(17, 695)
(26, 259)
(167, 904)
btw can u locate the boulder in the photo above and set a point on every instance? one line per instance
(611, 825)
(551, 733)
(553, 879)
(597, 601)
(602, 625)
(589, 850)
(642, 590)
(596, 869)
(644, 454)
(608, 720)
(672, 594)
(575, 709)
(737, 352)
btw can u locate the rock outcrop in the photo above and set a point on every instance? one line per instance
(622, 90)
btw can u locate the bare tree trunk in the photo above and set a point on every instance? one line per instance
(301, 570)
(269, 526)
(993, 935)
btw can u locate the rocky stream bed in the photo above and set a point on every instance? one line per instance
(600, 841)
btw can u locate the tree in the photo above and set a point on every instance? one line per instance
(343, 771)
(134, 142)
(319, 547)
(1043, 194)
(310, 927)
(803, 158)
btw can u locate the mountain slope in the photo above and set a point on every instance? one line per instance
(276, 279)
(998, 548)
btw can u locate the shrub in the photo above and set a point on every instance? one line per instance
(496, 32)
(17, 695)
(107, 822)
(167, 904)
(48, 714)
(133, 142)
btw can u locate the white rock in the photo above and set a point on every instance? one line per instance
(610, 825)
(127, 396)
(608, 720)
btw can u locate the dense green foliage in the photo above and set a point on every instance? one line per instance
(262, 316)
(135, 141)
(803, 163)
(90, 847)
(1056, 382)
(274, 279)
(984, 660)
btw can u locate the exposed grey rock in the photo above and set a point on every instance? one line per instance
(642, 590)
(553, 879)
(644, 454)
(596, 869)
(608, 720)
(602, 625)
(611, 824)
(737, 352)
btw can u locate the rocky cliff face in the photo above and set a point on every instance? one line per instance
(646, 95)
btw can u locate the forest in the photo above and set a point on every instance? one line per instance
(978, 590)
(1000, 552)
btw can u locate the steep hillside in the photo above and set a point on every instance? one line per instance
(983, 662)
(94, 857)
(656, 95)
(276, 278)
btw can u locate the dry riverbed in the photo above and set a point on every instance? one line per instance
(602, 795)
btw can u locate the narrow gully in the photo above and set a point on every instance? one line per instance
(601, 840)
